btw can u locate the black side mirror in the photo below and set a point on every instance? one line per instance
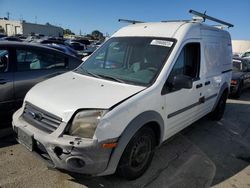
(176, 83)
(182, 81)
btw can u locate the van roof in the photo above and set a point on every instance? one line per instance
(165, 29)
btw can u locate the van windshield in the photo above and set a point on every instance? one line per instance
(132, 60)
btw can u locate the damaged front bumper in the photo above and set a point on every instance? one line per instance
(74, 154)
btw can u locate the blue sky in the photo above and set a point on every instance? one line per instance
(88, 15)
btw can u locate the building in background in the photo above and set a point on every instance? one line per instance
(14, 27)
(240, 46)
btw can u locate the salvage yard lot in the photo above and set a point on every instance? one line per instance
(208, 153)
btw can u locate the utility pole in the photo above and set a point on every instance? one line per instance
(8, 15)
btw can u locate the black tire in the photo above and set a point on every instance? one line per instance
(239, 91)
(138, 154)
(219, 110)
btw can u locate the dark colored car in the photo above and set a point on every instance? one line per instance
(12, 38)
(2, 35)
(82, 41)
(63, 48)
(22, 65)
(240, 76)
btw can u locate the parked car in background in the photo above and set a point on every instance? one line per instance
(246, 54)
(22, 65)
(86, 42)
(47, 40)
(77, 46)
(63, 48)
(11, 38)
(240, 76)
(2, 35)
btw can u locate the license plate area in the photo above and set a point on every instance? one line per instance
(25, 138)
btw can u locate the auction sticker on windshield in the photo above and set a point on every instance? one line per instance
(161, 43)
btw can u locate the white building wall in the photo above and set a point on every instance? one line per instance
(240, 46)
(48, 30)
(11, 27)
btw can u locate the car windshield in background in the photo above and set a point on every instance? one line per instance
(132, 60)
(237, 66)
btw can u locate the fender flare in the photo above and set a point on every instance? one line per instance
(134, 125)
(222, 89)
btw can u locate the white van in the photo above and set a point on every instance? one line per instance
(142, 86)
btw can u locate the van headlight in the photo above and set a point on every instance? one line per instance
(85, 122)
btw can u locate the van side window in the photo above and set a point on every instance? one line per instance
(188, 62)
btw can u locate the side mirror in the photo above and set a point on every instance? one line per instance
(182, 81)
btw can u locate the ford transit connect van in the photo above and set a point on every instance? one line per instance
(142, 86)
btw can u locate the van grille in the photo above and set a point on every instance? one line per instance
(40, 119)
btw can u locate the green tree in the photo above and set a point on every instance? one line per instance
(97, 35)
(68, 32)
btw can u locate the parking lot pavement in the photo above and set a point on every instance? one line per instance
(205, 154)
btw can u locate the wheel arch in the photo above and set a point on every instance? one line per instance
(224, 89)
(149, 118)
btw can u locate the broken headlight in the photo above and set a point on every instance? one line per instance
(85, 122)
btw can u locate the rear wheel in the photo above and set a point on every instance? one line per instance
(138, 154)
(218, 112)
(239, 91)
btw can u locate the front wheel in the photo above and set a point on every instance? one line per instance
(218, 112)
(138, 154)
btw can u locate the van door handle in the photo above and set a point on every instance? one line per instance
(202, 99)
(198, 86)
(207, 83)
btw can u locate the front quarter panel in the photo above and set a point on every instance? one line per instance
(116, 121)
(127, 118)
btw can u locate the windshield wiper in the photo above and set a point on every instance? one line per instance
(101, 76)
(111, 78)
(90, 73)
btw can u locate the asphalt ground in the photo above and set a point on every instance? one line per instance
(206, 154)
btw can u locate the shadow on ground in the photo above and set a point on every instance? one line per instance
(7, 141)
(6, 133)
(202, 155)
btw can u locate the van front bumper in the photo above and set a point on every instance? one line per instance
(74, 154)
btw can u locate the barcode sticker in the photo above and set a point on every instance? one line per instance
(161, 43)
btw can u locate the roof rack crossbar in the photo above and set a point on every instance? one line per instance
(175, 21)
(130, 21)
(204, 16)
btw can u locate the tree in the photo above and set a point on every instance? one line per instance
(68, 32)
(97, 35)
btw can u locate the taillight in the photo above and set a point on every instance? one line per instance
(233, 82)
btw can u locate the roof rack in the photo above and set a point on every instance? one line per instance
(130, 21)
(198, 17)
(204, 17)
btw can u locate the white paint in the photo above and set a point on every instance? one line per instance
(161, 43)
(65, 94)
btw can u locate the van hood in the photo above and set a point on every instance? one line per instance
(66, 93)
